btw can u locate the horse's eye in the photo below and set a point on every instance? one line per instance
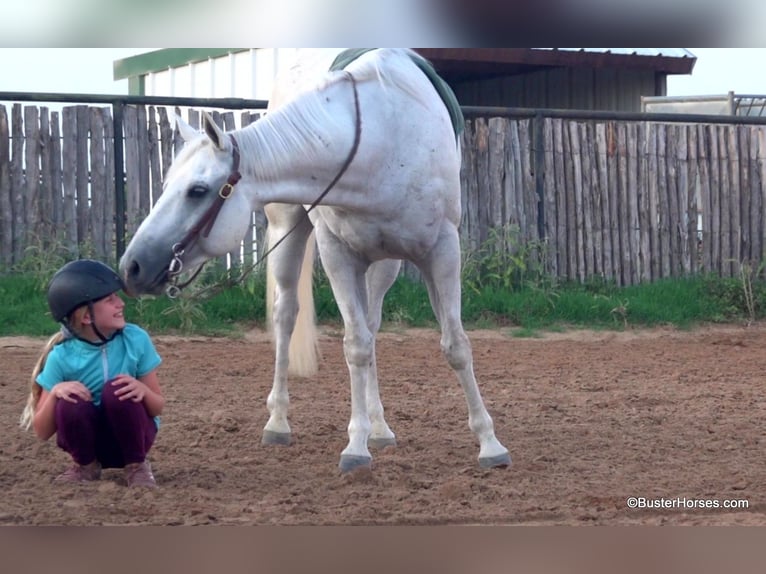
(197, 190)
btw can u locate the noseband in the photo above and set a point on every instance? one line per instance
(205, 224)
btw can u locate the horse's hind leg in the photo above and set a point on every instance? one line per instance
(441, 273)
(380, 276)
(284, 264)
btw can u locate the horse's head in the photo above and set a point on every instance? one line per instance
(200, 214)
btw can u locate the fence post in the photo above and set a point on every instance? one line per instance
(539, 173)
(119, 178)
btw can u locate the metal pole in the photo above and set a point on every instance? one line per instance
(119, 178)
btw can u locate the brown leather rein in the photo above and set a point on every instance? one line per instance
(205, 223)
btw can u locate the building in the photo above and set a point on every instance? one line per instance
(565, 78)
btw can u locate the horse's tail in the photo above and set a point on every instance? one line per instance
(304, 343)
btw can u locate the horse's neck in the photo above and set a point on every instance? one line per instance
(303, 138)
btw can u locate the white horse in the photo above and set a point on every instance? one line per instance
(367, 158)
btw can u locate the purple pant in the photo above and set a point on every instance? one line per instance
(115, 433)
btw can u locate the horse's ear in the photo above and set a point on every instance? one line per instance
(187, 132)
(212, 130)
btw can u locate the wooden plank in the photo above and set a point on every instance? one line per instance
(69, 180)
(623, 205)
(632, 190)
(549, 187)
(715, 200)
(612, 190)
(596, 201)
(588, 220)
(97, 185)
(497, 128)
(32, 181)
(132, 179)
(482, 171)
(514, 194)
(57, 174)
(82, 181)
(194, 118)
(465, 178)
(604, 198)
(725, 204)
(651, 205)
(6, 197)
(733, 193)
(673, 217)
(574, 137)
(473, 190)
(683, 231)
(705, 148)
(571, 213)
(227, 121)
(155, 155)
(166, 146)
(528, 188)
(560, 189)
(663, 206)
(144, 173)
(178, 142)
(46, 228)
(742, 140)
(761, 139)
(17, 183)
(644, 190)
(110, 196)
(693, 200)
(756, 198)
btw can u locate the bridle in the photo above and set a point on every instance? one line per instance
(202, 227)
(205, 223)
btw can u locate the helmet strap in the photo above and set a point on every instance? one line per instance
(69, 331)
(96, 330)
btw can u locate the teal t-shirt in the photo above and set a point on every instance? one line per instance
(129, 353)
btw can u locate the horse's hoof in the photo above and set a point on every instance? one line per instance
(349, 462)
(278, 438)
(381, 443)
(499, 461)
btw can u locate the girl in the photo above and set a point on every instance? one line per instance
(95, 385)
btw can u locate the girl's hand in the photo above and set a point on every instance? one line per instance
(71, 391)
(131, 388)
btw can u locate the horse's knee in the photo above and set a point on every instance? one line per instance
(358, 349)
(457, 350)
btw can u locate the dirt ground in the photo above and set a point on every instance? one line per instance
(590, 419)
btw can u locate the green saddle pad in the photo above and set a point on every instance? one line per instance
(442, 88)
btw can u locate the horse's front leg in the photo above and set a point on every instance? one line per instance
(346, 272)
(284, 265)
(380, 276)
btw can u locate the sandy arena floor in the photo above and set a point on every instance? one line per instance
(590, 419)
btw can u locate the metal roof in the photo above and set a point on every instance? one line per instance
(665, 52)
(459, 64)
(465, 64)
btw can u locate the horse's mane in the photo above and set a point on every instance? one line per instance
(304, 127)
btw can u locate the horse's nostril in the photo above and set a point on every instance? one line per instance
(134, 270)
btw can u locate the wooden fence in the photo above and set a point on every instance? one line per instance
(57, 185)
(631, 201)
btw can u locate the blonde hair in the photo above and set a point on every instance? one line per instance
(35, 390)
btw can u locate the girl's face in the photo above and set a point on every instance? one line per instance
(107, 315)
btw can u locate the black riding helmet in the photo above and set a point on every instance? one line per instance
(78, 283)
